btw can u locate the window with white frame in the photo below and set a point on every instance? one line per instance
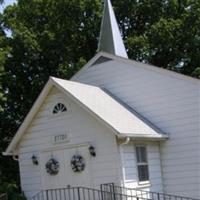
(142, 163)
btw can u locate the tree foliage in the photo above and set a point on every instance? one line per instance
(42, 38)
(165, 33)
(12, 191)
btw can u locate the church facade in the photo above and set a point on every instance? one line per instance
(116, 121)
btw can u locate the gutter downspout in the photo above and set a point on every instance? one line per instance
(122, 160)
(126, 141)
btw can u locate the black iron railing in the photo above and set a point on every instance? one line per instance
(141, 194)
(3, 197)
(107, 192)
(81, 193)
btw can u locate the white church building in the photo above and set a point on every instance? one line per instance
(116, 121)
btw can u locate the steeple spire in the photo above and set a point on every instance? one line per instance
(110, 38)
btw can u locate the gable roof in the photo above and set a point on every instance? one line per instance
(100, 104)
(135, 64)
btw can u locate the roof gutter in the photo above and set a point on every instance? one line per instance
(144, 137)
(7, 154)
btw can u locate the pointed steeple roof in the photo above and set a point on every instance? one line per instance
(110, 38)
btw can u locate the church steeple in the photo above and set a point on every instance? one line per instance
(110, 38)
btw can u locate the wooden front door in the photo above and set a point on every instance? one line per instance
(66, 176)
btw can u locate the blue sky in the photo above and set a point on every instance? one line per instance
(2, 7)
(6, 3)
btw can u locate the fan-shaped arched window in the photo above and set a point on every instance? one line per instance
(59, 108)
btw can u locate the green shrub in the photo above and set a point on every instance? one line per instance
(12, 190)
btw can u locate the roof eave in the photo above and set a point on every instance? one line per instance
(150, 67)
(7, 154)
(138, 65)
(11, 150)
(12, 146)
(146, 137)
(87, 109)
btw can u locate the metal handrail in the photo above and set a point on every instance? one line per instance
(142, 193)
(107, 192)
(81, 193)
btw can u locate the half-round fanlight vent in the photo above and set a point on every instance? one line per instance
(59, 108)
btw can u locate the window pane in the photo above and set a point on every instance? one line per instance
(141, 154)
(59, 108)
(143, 173)
(138, 154)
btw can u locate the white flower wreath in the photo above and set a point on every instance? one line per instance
(77, 163)
(52, 166)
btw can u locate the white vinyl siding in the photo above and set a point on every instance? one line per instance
(128, 155)
(82, 128)
(169, 101)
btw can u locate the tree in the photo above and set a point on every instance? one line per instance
(165, 33)
(55, 38)
(48, 38)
